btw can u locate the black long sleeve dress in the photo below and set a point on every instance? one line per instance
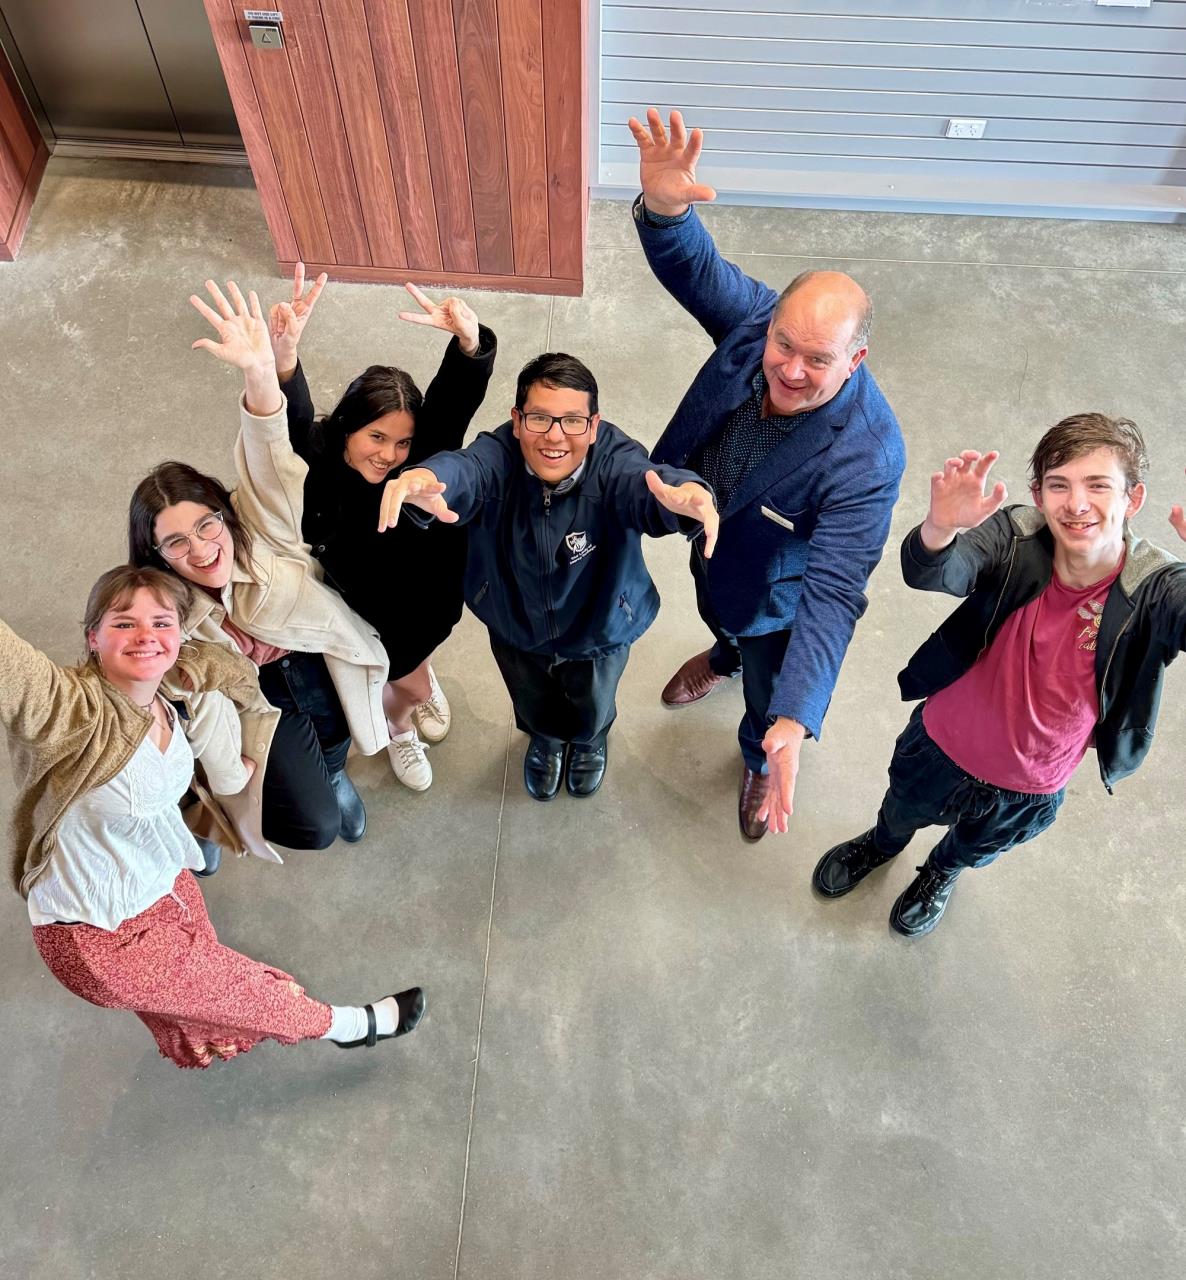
(405, 582)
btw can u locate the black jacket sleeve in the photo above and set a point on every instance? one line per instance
(453, 397)
(300, 412)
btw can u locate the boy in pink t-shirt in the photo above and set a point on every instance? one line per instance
(1061, 644)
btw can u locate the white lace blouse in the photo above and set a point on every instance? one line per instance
(120, 846)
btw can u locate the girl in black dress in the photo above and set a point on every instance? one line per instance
(407, 581)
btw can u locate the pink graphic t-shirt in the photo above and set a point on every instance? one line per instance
(1023, 716)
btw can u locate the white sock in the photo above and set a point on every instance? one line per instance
(349, 1021)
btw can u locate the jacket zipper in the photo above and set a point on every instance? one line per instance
(1103, 684)
(546, 574)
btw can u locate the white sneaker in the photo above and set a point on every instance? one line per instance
(409, 762)
(433, 718)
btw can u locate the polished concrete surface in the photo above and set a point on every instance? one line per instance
(651, 1053)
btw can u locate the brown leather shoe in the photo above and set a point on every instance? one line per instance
(693, 681)
(753, 791)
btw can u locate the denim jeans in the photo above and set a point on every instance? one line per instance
(927, 788)
(300, 810)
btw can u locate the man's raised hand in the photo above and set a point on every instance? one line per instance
(287, 320)
(422, 489)
(667, 164)
(958, 500)
(690, 500)
(452, 315)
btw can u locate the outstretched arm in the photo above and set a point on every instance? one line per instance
(718, 294)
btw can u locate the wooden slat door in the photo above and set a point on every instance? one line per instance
(439, 141)
(23, 154)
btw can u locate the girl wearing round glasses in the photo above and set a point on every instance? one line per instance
(321, 666)
(406, 583)
(102, 856)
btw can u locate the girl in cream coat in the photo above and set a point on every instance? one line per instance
(322, 667)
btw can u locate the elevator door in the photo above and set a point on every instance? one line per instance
(123, 71)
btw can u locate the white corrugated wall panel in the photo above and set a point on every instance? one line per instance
(799, 96)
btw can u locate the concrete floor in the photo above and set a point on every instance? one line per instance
(651, 1054)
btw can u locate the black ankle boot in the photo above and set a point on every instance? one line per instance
(211, 853)
(350, 806)
(845, 865)
(920, 908)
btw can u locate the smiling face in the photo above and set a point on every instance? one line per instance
(208, 562)
(552, 455)
(1085, 503)
(808, 355)
(136, 640)
(378, 448)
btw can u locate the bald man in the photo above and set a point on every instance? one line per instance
(805, 456)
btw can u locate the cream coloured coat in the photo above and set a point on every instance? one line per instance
(280, 600)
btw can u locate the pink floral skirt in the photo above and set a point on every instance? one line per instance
(199, 999)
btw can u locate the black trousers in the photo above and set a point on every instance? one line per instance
(300, 810)
(562, 700)
(758, 658)
(927, 788)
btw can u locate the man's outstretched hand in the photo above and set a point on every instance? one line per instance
(667, 164)
(422, 489)
(691, 500)
(958, 500)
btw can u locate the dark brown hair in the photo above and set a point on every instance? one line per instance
(165, 486)
(1085, 433)
(376, 392)
(117, 586)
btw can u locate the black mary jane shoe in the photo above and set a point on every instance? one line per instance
(350, 807)
(411, 1010)
(586, 770)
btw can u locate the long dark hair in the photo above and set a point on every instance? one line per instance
(165, 486)
(376, 392)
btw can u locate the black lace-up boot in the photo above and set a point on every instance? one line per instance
(845, 865)
(921, 906)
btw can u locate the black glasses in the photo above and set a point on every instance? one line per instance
(572, 424)
(178, 545)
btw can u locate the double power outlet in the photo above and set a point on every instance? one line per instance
(958, 128)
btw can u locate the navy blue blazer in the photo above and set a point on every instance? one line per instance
(834, 480)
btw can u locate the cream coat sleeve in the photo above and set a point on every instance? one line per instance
(216, 739)
(270, 496)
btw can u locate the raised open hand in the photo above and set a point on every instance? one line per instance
(958, 500)
(242, 331)
(667, 164)
(691, 500)
(452, 315)
(422, 489)
(1178, 520)
(287, 320)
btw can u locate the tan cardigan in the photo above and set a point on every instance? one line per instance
(69, 731)
(282, 601)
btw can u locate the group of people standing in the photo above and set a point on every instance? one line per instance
(255, 633)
